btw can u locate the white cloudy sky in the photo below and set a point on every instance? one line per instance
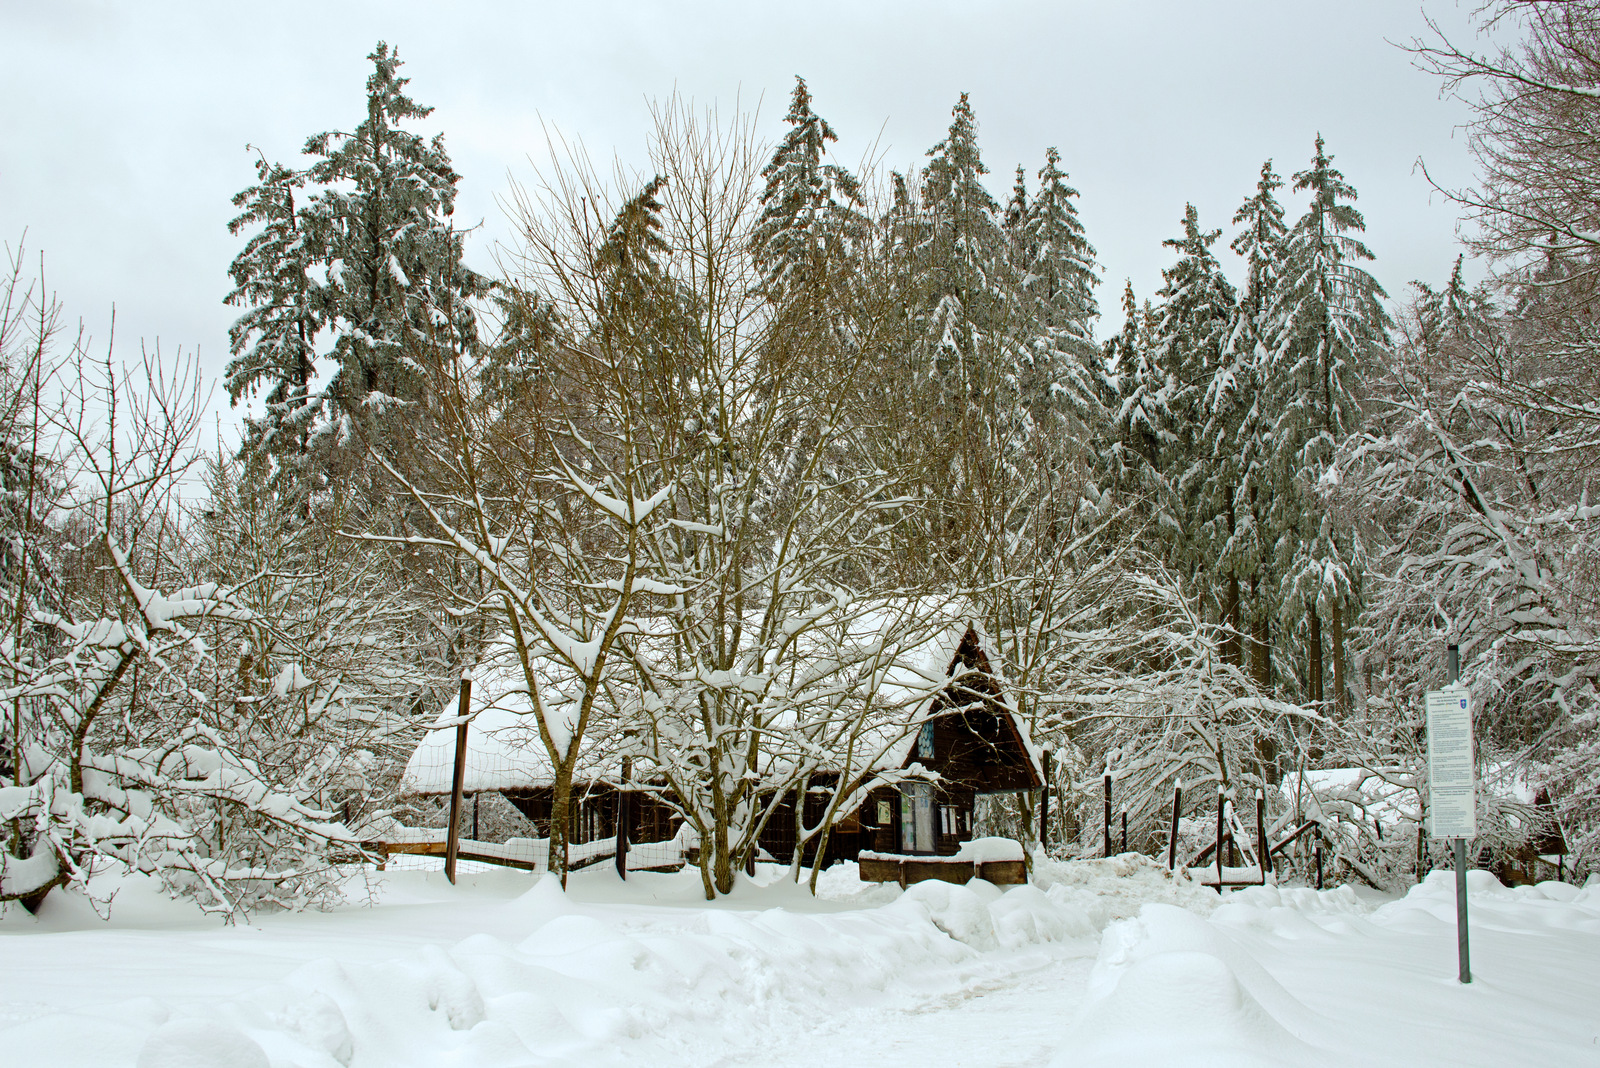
(124, 127)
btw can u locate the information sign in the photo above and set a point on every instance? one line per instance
(1452, 772)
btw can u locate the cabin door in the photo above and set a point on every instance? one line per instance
(916, 817)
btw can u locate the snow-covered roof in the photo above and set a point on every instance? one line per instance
(504, 750)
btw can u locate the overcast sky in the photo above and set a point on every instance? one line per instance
(124, 129)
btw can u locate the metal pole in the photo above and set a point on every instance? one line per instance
(1044, 805)
(1463, 957)
(475, 796)
(1172, 836)
(1124, 830)
(1108, 814)
(452, 841)
(1319, 861)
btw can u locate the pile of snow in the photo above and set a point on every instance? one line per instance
(561, 979)
(1101, 962)
(1117, 887)
(985, 850)
(1171, 987)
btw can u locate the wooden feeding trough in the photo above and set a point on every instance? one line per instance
(996, 860)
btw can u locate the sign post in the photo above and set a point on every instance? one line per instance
(1452, 787)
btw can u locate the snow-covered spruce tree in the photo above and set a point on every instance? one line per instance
(370, 257)
(811, 217)
(1331, 330)
(397, 288)
(274, 343)
(1242, 479)
(1058, 274)
(1131, 388)
(967, 357)
(1194, 318)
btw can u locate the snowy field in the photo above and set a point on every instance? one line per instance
(1101, 962)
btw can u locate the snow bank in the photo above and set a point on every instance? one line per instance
(1171, 987)
(1167, 987)
(617, 974)
(1118, 887)
(572, 979)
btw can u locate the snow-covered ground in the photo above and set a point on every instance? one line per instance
(1101, 962)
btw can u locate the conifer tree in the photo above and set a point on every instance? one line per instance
(1058, 276)
(1195, 318)
(368, 257)
(1016, 217)
(274, 342)
(397, 290)
(970, 288)
(1331, 326)
(810, 210)
(1132, 389)
(967, 320)
(1241, 432)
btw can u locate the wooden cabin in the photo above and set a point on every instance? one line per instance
(970, 742)
(948, 749)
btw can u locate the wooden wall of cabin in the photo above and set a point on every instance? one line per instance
(594, 813)
(952, 825)
(847, 838)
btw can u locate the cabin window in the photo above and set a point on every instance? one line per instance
(916, 817)
(950, 821)
(925, 742)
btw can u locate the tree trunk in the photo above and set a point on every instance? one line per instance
(797, 861)
(1341, 704)
(1314, 658)
(1232, 645)
(560, 819)
(1260, 640)
(723, 873)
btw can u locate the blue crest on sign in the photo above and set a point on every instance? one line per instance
(1463, 702)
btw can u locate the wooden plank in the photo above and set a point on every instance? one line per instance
(916, 871)
(879, 871)
(423, 849)
(1004, 872)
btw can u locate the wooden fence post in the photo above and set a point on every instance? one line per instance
(1263, 847)
(1222, 806)
(1108, 814)
(1044, 805)
(623, 805)
(1172, 837)
(452, 840)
